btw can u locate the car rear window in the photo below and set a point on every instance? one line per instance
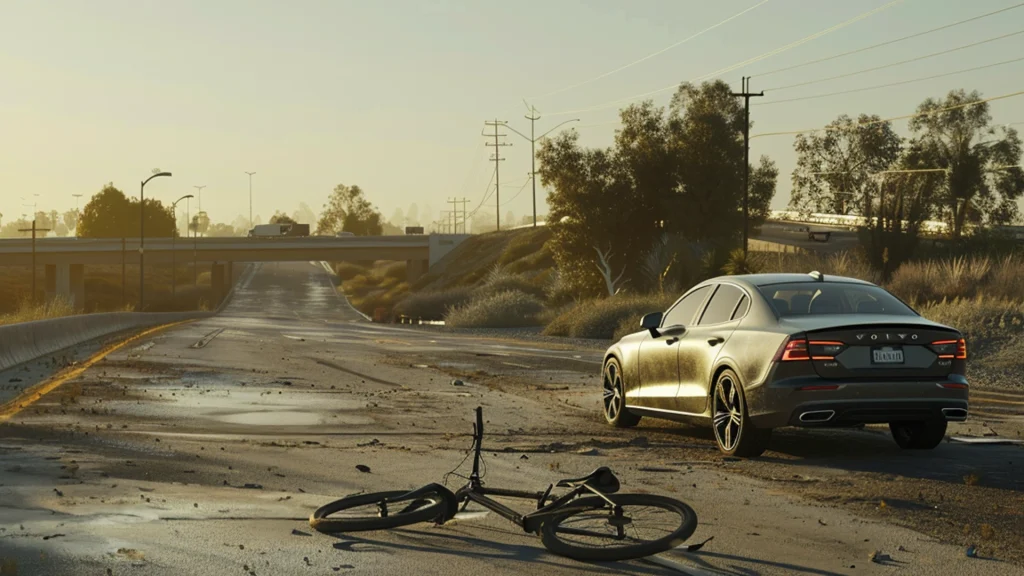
(819, 298)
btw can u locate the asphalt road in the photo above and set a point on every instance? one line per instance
(203, 448)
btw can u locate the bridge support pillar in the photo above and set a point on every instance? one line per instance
(415, 268)
(216, 284)
(66, 281)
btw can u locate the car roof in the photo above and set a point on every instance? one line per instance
(757, 280)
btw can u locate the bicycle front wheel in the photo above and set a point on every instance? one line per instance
(384, 510)
(638, 525)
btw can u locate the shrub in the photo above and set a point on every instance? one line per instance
(433, 305)
(508, 309)
(935, 280)
(348, 270)
(499, 281)
(602, 318)
(985, 322)
(395, 270)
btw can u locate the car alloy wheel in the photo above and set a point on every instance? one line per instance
(728, 414)
(614, 397)
(735, 433)
(613, 400)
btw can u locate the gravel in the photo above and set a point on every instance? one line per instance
(532, 333)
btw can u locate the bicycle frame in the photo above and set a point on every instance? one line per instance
(476, 492)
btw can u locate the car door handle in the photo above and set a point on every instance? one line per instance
(715, 341)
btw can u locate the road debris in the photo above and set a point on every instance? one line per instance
(363, 468)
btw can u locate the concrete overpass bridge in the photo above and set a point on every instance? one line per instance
(64, 259)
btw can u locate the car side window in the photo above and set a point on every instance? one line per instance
(683, 312)
(741, 308)
(722, 305)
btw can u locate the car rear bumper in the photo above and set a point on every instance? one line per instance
(790, 403)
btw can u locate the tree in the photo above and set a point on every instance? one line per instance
(835, 167)
(677, 172)
(200, 224)
(412, 215)
(281, 218)
(304, 214)
(241, 225)
(348, 210)
(397, 218)
(220, 230)
(71, 219)
(110, 214)
(591, 202)
(12, 229)
(762, 190)
(978, 186)
(902, 201)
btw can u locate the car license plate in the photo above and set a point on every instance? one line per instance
(887, 355)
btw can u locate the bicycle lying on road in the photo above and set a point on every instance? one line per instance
(589, 522)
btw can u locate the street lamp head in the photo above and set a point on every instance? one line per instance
(157, 174)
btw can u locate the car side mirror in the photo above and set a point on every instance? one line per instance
(651, 322)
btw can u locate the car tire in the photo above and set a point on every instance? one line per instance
(924, 435)
(614, 397)
(734, 432)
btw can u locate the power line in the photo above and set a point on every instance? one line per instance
(901, 62)
(887, 42)
(487, 195)
(516, 195)
(890, 84)
(862, 124)
(732, 67)
(651, 55)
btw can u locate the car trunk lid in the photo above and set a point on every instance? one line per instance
(901, 349)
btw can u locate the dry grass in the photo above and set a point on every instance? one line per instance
(379, 286)
(433, 305)
(602, 318)
(508, 309)
(28, 312)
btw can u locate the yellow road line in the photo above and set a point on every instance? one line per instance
(29, 397)
(997, 394)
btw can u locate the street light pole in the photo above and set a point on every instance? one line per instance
(142, 235)
(174, 255)
(533, 117)
(250, 198)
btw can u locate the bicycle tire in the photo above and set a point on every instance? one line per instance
(679, 534)
(437, 504)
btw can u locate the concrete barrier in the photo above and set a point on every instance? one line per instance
(26, 341)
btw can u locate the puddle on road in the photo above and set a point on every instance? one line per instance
(271, 418)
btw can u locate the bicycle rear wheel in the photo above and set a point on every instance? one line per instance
(384, 510)
(638, 525)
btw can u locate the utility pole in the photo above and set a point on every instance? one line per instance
(533, 117)
(250, 198)
(33, 230)
(497, 162)
(746, 95)
(464, 201)
(454, 202)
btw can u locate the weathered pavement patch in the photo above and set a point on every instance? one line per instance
(208, 460)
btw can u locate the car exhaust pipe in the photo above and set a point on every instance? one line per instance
(955, 414)
(817, 416)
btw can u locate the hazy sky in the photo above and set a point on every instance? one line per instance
(392, 95)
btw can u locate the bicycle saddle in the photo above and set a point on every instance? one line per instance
(601, 480)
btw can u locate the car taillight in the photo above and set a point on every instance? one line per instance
(950, 348)
(795, 349)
